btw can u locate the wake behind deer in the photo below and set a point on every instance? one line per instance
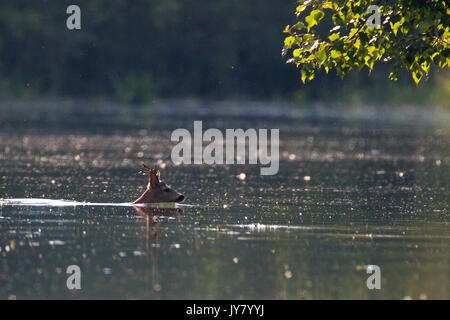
(157, 192)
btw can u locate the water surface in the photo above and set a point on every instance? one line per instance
(350, 192)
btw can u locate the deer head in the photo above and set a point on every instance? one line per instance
(157, 191)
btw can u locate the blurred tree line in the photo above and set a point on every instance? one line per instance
(136, 50)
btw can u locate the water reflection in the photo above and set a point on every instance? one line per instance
(152, 220)
(152, 217)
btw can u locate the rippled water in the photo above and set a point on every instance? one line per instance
(350, 192)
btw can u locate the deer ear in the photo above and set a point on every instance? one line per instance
(154, 178)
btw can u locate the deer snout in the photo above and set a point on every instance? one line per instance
(180, 198)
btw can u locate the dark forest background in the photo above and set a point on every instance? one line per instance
(135, 51)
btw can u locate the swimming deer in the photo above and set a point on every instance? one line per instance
(157, 191)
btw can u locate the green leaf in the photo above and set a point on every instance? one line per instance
(330, 5)
(314, 18)
(307, 74)
(393, 76)
(299, 26)
(300, 8)
(352, 32)
(395, 26)
(333, 37)
(289, 41)
(304, 75)
(369, 61)
(335, 54)
(417, 75)
(425, 66)
(321, 54)
(371, 50)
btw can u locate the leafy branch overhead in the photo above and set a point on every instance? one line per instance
(411, 34)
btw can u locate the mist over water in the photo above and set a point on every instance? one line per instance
(352, 190)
